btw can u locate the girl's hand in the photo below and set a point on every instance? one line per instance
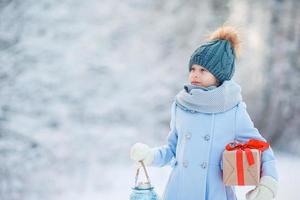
(266, 190)
(142, 152)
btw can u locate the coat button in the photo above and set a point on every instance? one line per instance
(185, 164)
(188, 136)
(207, 137)
(204, 165)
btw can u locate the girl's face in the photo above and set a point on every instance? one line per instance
(202, 77)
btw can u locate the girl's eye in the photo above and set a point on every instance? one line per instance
(203, 70)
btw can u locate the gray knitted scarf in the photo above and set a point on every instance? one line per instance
(209, 100)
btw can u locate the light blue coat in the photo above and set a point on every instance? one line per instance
(194, 150)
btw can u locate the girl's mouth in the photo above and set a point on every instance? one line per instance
(196, 83)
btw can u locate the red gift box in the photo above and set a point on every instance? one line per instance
(241, 162)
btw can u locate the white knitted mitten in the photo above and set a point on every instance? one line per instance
(142, 152)
(266, 190)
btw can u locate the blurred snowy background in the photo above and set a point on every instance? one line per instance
(81, 81)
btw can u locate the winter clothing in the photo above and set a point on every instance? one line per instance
(198, 136)
(266, 189)
(217, 57)
(140, 151)
(219, 99)
(188, 87)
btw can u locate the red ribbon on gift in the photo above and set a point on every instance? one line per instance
(251, 144)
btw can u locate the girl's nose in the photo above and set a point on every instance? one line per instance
(196, 75)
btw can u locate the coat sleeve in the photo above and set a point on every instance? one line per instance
(245, 130)
(164, 154)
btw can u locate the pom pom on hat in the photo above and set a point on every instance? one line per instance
(227, 33)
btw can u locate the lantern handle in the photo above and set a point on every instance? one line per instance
(138, 171)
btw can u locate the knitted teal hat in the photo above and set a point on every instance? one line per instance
(218, 54)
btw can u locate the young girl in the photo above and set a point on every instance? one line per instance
(205, 116)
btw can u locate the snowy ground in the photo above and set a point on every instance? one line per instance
(118, 180)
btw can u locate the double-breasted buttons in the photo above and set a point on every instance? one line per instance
(207, 137)
(204, 165)
(188, 135)
(185, 163)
